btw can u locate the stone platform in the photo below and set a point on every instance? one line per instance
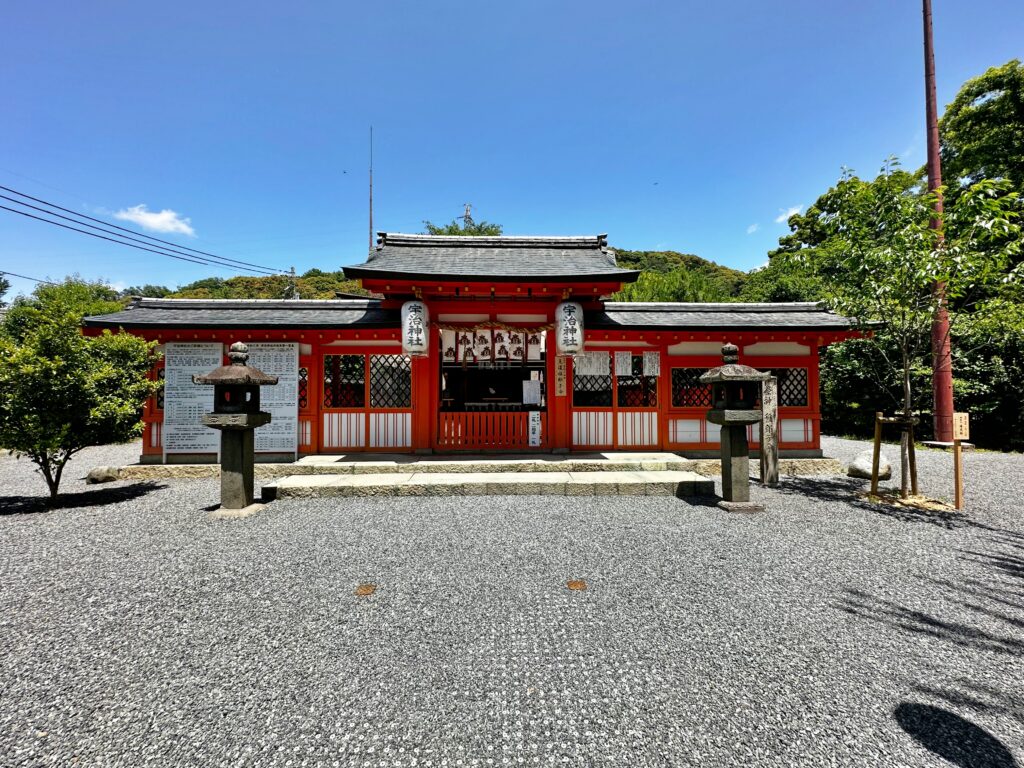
(379, 464)
(496, 483)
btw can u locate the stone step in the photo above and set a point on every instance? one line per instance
(369, 464)
(608, 483)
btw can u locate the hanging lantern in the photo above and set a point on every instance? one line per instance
(569, 328)
(415, 341)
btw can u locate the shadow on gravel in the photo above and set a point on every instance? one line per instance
(849, 490)
(992, 598)
(700, 501)
(859, 603)
(22, 505)
(952, 737)
(979, 697)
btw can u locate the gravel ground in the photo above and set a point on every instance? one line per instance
(826, 631)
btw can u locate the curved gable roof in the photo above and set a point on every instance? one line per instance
(501, 259)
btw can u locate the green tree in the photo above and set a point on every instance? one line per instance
(780, 280)
(982, 130)
(148, 291)
(61, 391)
(678, 285)
(730, 280)
(5, 286)
(71, 297)
(314, 284)
(468, 227)
(877, 257)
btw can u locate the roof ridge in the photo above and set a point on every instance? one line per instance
(792, 306)
(284, 303)
(465, 241)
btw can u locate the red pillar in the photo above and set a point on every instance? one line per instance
(942, 363)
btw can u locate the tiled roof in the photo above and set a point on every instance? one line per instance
(247, 313)
(335, 313)
(807, 315)
(500, 259)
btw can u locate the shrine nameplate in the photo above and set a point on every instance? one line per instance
(561, 375)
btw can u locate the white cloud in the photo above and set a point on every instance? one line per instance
(784, 215)
(162, 221)
(753, 228)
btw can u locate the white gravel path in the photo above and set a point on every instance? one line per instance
(825, 632)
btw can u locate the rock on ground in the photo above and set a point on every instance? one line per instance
(99, 475)
(862, 464)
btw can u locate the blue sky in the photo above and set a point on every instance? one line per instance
(681, 125)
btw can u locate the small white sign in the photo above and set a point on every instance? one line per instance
(592, 364)
(652, 364)
(534, 429)
(531, 392)
(624, 363)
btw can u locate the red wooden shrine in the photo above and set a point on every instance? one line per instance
(359, 390)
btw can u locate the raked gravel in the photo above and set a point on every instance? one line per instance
(135, 631)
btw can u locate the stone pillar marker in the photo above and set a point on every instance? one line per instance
(769, 452)
(734, 392)
(237, 414)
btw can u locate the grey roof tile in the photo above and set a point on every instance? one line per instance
(304, 313)
(807, 315)
(248, 313)
(491, 258)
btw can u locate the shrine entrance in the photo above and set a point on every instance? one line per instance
(493, 390)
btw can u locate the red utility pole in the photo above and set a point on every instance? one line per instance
(942, 363)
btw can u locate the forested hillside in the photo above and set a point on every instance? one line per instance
(314, 284)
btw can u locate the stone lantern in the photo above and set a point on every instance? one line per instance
(734, 393)
(237, 414)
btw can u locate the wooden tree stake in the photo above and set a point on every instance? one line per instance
(877, 453)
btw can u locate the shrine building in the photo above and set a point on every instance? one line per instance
(478, 344)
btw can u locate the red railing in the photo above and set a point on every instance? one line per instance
(486, 431)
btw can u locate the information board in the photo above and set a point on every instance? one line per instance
(281, 400)
(185, 402)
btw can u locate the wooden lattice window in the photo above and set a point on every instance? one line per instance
(591, 391)
(390, 381)
(637, 390)
(687, 391)
(792, 386)
(303, 388)
(344, 381)
(161, 375)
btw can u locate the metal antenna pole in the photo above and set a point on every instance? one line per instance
(942, 362)
(371, 247)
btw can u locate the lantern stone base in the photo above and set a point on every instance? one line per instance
(237, 455)
(735, 463)
(236, 514)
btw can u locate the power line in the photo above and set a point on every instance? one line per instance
(133, 232)
(134, 239)
(119, 242)
(26, 277)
